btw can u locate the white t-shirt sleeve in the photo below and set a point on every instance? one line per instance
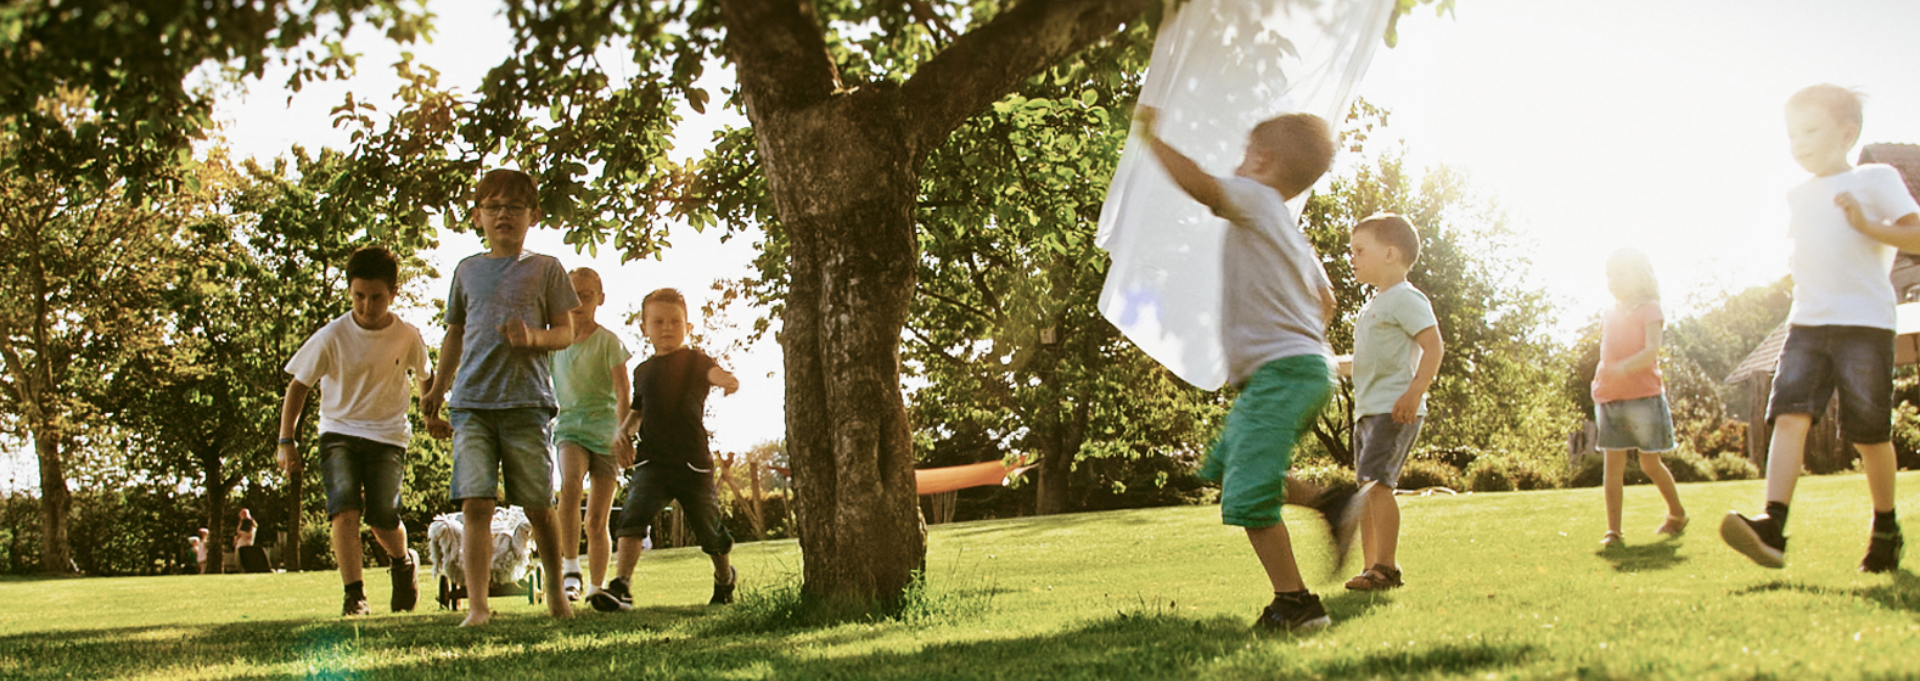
(314, 360)
(417, 352)
(1886, 196)
(1414, 314)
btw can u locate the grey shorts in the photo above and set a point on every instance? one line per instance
(1380, 447)
(654, 485)
(515, 444)
(363, 475)
(1642, 423)
(599, 464)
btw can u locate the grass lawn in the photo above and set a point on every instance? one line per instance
(1498, 586)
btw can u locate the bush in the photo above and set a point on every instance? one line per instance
(1421, 473)
(1685, 465)
(1731, 466)
(1681, 461)
(1505, 473)
(1322, 474)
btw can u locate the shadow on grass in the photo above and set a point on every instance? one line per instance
(1903, 593)
(1659, 555)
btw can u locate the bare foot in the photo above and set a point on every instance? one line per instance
(559, 608)
(477, 618)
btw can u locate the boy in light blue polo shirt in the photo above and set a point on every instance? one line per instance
(507, 312)
(1396, 333)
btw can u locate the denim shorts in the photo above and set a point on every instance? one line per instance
(1856, 360)
(655, 484)
(363, 475)
(487, 442)
(1380, 447)
(1642, 423)
(1250, 461)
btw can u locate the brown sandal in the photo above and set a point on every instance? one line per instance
(1376, 578)
(1674, 526)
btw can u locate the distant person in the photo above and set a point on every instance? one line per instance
(1278, 302)
(200, 543)
(590, 380)
(1396, 353)
(673, 462)
(1629, 398)
(243, 537)
(507, 312)
(360, 362)
(1847, 223)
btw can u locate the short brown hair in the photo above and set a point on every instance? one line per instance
(511, 184)
(1393, 231)
(374, 263)
(1301, 143)
(664, 295)
(1843, 104)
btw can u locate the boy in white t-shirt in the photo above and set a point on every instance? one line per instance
(1846, 224)
(360, 363)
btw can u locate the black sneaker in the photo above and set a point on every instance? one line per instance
(405, 591)
(614, 598)
(723, 593)
(571, 584)
(1883, 552)
(1757, 538)
(1294, 614)
(355, 606)
(1342, 505)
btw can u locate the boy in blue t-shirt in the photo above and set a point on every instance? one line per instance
(672, 462)
(507, 312)
(1278, 301)
(1396, 333)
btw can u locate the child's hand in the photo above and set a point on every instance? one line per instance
(515, 331)
(439, 428)
(288, 458)
(1407, 408)
(1851, 206)
(622, 451)
(1344, 365)
(1146, 117)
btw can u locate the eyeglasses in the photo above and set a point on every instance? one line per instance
(505, 209)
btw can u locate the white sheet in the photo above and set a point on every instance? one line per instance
(1219, 67)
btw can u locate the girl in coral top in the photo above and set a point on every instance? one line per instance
(1629, 400)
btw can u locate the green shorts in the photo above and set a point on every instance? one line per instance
(1251, 458)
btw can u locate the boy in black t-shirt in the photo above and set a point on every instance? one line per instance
(672, 460)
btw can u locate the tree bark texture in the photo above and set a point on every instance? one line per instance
(56, 504)
(841, 162)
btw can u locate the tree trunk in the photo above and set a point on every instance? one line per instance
(55, 505)
(845, 194)
(290, 549)
(216, 514)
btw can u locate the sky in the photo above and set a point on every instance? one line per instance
(1647, 123)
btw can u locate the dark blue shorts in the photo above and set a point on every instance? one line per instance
(363, 475)
(1855, 360)
(653, 485)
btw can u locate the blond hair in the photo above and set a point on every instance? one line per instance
(1301, 145)
(1638, 271)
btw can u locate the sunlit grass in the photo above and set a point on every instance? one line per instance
(1500, 586)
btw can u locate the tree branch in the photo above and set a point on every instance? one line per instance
(779, 54)
(989, 62)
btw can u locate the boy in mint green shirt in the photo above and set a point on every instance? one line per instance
(590, 380)
(1396, 352)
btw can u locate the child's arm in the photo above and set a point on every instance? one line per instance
(1192, 180)
(623, 453)
(557, 336)
(296, 400)
(1407, 408)
(720, 377)
(443, 372)
(1649, 353)
(1903, 233)
(622, 404)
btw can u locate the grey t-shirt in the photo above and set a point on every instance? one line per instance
(1384, 353)
(487, 292)
(1272, 277)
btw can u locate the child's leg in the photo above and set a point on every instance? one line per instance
(1274, 548)
(1383, 526)
(546, 532)
(700, 498)
(1880, 464)
(1785, 454)
(476, 556)
(1613, 478)
(573, 471)
(629, 557)
(1657, 471)
(599, 513)
(346, 545)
